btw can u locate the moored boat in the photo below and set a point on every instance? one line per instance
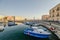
(39, 32)
(11, 23)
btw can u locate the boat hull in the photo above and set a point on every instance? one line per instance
(11, 24)
(36, 34)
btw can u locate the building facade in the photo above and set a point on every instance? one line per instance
(55, 13)
(45, 17)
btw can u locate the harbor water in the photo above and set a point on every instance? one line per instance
(16, 33)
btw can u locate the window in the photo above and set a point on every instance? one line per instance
(58, 8)
(53, 15)
(57, 14)
(53, 11)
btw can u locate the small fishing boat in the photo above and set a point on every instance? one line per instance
(11, 23)
(1, 26)
(29, 23)
(38, 31)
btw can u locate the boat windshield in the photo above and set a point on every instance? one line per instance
(42, 27)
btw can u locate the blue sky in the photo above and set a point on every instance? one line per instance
(26, 8)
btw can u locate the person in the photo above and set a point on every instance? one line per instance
(50, 23)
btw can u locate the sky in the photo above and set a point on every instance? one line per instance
(27, 8)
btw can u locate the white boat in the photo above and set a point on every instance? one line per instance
(11, 23)
(39, 32)
(1, 26)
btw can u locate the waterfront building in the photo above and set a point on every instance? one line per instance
(1, 18)
(55, 13)
(45, 17)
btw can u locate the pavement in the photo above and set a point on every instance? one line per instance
(57, 26)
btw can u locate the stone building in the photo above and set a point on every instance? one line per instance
(45, 17)
(55, 13)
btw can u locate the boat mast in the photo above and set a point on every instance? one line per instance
(14, 19)
(33, 21)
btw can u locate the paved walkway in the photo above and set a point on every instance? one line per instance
(56, 26)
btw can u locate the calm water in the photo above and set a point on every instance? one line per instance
(16, 33)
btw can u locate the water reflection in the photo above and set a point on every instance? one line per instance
(34, 38)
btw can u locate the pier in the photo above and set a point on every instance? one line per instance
(57, 26)
(51, 24)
